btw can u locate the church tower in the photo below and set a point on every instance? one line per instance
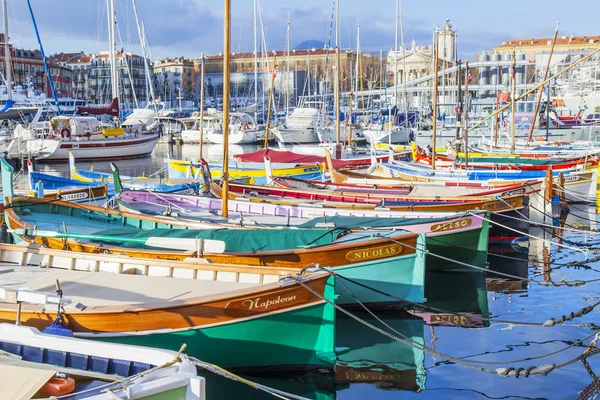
(447, 43)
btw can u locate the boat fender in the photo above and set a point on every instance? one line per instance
(3, 233)
(65, 133)
(59, 385)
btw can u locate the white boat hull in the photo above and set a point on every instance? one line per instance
(101, 149)
(393, 137)
(296, 135)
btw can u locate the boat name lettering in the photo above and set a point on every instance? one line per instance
(311, 169)
(74, 196)
(514, 192)
(448, 226)
(571, 178)
(458, 320)
(187, 191)
(256, 303)
(373, 253)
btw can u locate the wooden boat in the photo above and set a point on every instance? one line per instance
(519, 162)
(185, 185)
(46, 365)
(509, 203)
(230, 317)
(391, 262)
(92, 194)
(579, 185)
(394, 263)
(469, 231)
(280, 156)
(179, 169)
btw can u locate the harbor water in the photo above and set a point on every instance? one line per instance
(460, 322)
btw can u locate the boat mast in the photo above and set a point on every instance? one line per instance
(7, 66)
(466, 104)
(396, 56)
(359, 63)
(404, 94)
(142, 34)
(395, 76)
(255, 66)
(114, 81)
(225, 178)
(271, 89)
(435, 95)
(48, 74)
(512, 102)
(539, 99)
(338, 149)
(287, 75)
(202, 104)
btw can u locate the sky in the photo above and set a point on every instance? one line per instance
(192, 27)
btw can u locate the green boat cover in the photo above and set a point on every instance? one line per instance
(236, 240)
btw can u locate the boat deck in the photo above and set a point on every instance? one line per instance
(106, 289)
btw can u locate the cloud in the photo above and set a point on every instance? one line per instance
(190, 27)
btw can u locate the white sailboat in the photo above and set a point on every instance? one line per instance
(242, 129)
(86, 137)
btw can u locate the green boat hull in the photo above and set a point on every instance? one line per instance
(469, 247)
(402, 277)
(173, 394)
(302, 338)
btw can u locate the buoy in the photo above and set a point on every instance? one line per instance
(57, 386)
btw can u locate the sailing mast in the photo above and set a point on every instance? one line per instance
(225, 178)
(512, 102)
(287, 75)
(142, 34)
(255, 66)
(7, 66)
(338, 148)
(202, 104)
(404, 95)
(362, 93)
(435, 95)
(396, 57)
(114, 81)
(466, 105)
(537, 105)
(271, 89)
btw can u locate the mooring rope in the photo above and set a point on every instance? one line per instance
(544, 369)
(215, 369)
(548, 323)
(583, 251)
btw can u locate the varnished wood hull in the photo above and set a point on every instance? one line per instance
(250, 327)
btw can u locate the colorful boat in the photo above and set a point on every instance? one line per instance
(442, 234)
(47, 365)
(180, 169)
(92, 177)
(238, 324)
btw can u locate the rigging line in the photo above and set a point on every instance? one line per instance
(542, 283)
(548, 323)
(585, 252)
(509, 371)
(463, 358)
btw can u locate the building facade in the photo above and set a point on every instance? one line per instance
(174, 78)
(310, 72)
(28, 71)
(417, 62)
(91, 78)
